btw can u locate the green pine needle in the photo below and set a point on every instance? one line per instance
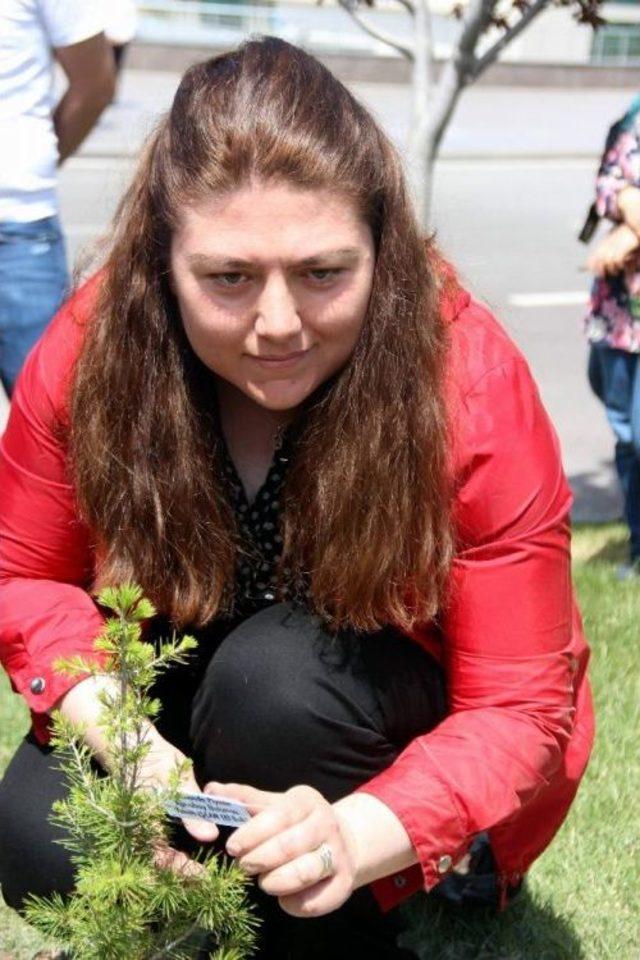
(124, 907)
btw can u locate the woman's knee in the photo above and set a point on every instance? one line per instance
(285, 702)
(268, 710)
(262, 681)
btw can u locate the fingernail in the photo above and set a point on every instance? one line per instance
(233, 849)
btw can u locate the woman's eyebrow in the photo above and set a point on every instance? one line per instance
(345, 253)
(206, 261)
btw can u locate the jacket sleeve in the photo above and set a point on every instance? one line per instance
(506, 630)
(619, 168)
(45, 556)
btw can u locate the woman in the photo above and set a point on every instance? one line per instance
(276, 409)
(613, 323)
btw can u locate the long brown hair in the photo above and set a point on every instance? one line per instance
(366, 506)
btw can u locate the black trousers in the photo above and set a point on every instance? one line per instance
(275, 702)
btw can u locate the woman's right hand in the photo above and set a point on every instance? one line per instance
(158, 766)
(81, 704)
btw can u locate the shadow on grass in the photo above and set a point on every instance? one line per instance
(596, 494)
(600, 544)
(527, 930)
(614, 551)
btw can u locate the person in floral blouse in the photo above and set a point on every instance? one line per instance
(613, 323)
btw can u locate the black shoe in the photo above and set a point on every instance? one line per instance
(479, 885)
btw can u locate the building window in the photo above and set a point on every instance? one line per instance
(617, 44)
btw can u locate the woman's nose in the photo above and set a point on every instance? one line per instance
(277, 311)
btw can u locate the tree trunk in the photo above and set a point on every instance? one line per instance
(423, 153)
(430, 120)
(434, 103)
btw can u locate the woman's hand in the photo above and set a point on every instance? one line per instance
(156, 770)
(82, 705)
(629, 207)
(611, 254)
(296, 845)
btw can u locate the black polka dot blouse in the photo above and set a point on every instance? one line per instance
(259, 524)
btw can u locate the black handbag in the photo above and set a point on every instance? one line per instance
(590, 225)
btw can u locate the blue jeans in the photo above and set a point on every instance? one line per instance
(614, 376)
(33, 283)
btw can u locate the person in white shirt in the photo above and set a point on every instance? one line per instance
(120, 27)
(37, 136)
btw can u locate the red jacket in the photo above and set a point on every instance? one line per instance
(510, 754)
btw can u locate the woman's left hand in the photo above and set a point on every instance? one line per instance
(297, 846)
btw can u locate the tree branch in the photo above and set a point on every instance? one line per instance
(408, 5)
(457, 71)
(165, 951)
(475, 22)
(448, 90)
(89, 790)
(381, 35)
(493, 52)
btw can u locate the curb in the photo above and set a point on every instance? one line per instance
(150, 55)
(492, 157)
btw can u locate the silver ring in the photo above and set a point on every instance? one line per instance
(326, 856)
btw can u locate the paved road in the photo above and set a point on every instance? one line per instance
(509, 197)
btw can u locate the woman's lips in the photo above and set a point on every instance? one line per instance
(282, 360)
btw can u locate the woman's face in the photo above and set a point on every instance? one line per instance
(273, 285)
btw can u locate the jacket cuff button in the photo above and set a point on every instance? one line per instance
(37, 685)
(399, 881)
(444, 864)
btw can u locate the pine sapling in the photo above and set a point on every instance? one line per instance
(124, 905)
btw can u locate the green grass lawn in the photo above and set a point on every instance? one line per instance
(582, 900)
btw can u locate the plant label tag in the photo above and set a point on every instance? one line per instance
(205, 806)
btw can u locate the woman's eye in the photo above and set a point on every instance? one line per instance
(229, 279)
(322, 275)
